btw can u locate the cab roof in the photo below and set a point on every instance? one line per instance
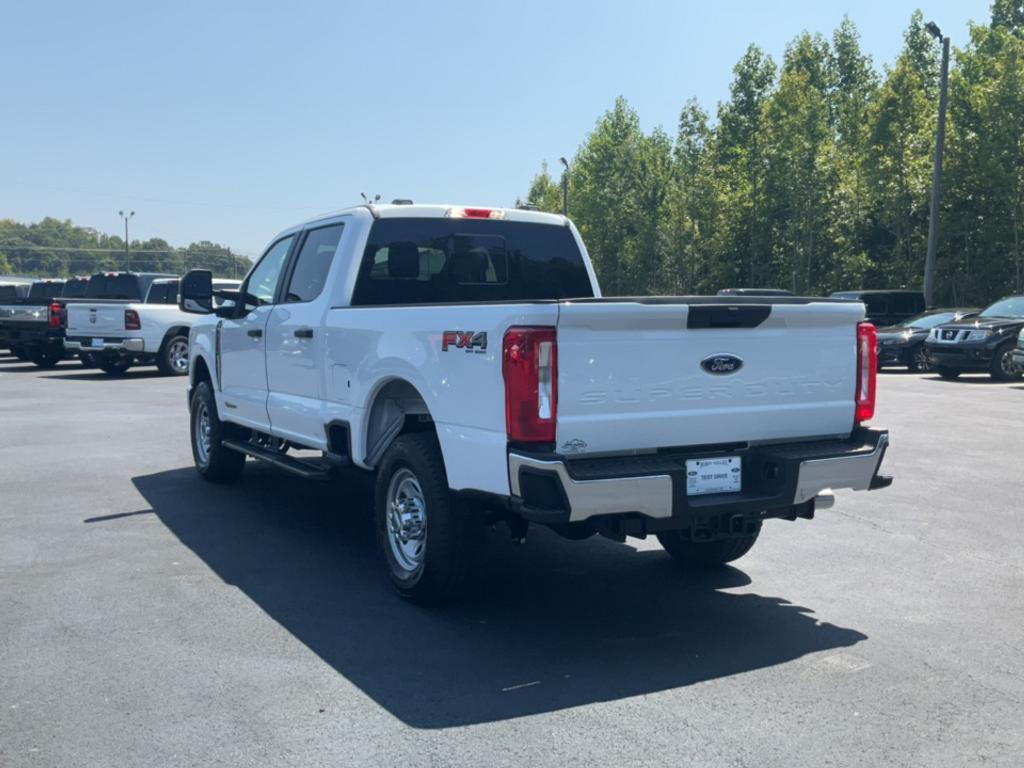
(437, 211)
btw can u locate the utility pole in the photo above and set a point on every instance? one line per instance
(122, 215)
(940, 141)
(565, 187)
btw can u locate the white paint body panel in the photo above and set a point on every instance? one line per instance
(629, 376)
(464, 391)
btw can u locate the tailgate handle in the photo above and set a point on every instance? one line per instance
(727, 315)
(303, 333)
(255, 333)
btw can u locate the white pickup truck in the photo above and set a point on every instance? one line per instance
(132, 320)
(466, 357)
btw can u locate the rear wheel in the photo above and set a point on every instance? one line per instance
(947, 373)
(172, 359)
(46, 358)
(213, 461)
(706, 554)
(115, 366)
(1003, 368)
(87, 359)
(427, 540)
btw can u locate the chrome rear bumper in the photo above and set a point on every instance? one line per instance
(557, 489)
(133, 346)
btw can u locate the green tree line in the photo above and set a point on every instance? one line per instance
(815, 174)
(55, 248)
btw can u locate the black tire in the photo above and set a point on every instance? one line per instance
(1003, 368)
(706, 554)
(432, 565)
(213, 461)
(46, 358)
(919, 360)
(21, 353)
(86, 359)
(114, 366)
(172, 360)
(947, 373)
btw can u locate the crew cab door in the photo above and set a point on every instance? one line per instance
(295, 341)
(243, 364)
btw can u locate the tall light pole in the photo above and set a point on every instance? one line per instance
(123, 216)
(940, 141)
(565, 187)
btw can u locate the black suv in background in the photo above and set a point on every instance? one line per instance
(984, 343)
(903, 343)
(886, 308)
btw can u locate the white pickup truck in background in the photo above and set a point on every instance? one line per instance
(466, 357)
(118, 331)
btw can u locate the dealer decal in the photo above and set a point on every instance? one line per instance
(471, 341)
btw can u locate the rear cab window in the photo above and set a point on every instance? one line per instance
(46, 290)
(74, 289)
(444, 261)
(163, 293)
(875, 304)
(908, 303)
(114, 286)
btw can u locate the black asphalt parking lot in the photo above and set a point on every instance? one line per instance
(150, 619)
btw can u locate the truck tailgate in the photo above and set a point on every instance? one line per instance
(637, 375)
(25, 313)
(85, 319)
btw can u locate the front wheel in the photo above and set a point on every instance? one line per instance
(1003, 368)
(173, 357)
(428, 542)
(947, 373)
(919, 361)
(707, 554)
(213, 461)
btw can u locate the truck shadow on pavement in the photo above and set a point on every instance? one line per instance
(554, 624)
(86, 374)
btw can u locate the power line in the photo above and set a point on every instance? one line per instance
(165, 201)
(120, 251)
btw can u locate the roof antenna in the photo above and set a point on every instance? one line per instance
(376, 198)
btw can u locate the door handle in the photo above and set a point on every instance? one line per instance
(255, 333)
(304, 333)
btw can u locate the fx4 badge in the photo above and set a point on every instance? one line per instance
(471, 341)
(721, 365)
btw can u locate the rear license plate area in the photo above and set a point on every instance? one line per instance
(721, 474)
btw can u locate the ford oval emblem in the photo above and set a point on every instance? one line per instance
(721, 365)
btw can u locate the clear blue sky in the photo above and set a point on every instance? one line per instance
(230, 121)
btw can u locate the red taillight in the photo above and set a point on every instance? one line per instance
(476, 213)
(131, 320)
(57, 316)
(867, 370)
(530, 367)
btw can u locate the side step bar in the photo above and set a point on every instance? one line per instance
(302, 468)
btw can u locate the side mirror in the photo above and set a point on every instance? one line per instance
(195, 292)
